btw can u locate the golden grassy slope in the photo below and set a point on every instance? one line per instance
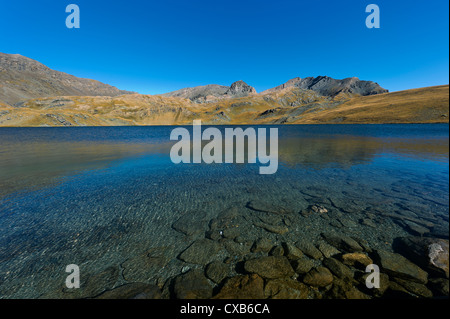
(424, 105)
(288, 106)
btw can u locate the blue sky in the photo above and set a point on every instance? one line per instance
(158, 46)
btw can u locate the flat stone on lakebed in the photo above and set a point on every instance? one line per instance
(201, 252)
(396, 265)
(270, 267)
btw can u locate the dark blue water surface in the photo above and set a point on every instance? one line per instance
(106, 198)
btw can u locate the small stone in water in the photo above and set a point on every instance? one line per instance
(185, 269)
(319, 209)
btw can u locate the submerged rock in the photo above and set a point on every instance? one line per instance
(318, 277)
(135, 290)
(231, 232)
(338, 268)
(192, 285)
(347, 222)
(336, 224)
(430, 253)
(358, 260)
(262, 245)
(395, 265)
(214, 234)
(415, 288)
(342, 242)
(440, 231)
(398, 291)
(270, 267)
(191, 224)
(143, 267)
(384, 283)
(327, 250)
(438, 256)
(277, 251)
(314, 209)
(318, 209)
(309, 249)
(303, 265)
(272, 219)
(292, 252)
(218, 271)
(201, 252)
(364, 244)
(242, 287)
(267, 208)
(228, 218)
(342, 289)
(414, 228)
(236, 249)
(96, 284)
(285, 289)
(368, 222)
(440, 286)
(276, 229)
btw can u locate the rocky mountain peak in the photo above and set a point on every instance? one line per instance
(327, 86)
(240, 89)
(19, 62)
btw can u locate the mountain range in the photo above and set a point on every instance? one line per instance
(22, 78)
(323, 85)
(31, 94)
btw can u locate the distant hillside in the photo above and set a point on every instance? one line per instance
(213, 92)
(424, 105)
(31, 94)
(322, 85)
(327, 86)
(290, 105)
(22, 78)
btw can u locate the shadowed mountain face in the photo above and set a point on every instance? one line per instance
(22, 78)
(327, 86)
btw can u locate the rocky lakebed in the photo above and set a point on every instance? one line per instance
(111, 201)
(236, 256)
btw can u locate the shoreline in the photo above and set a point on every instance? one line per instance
(223, 125)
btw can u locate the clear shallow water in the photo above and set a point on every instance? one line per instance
(106, 198)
